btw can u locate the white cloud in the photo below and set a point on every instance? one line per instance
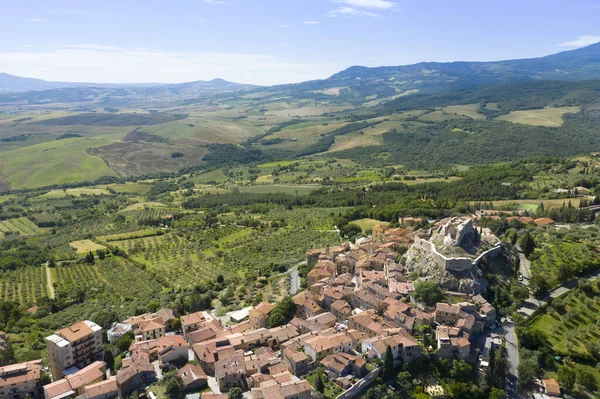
(214, 1)
(310, 22)
(35, 20)
(285, 26)
(581, 41)
(106, 64)
(352, 12)
(378, 4)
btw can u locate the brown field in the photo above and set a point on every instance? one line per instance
(469, 110)
(334, 91)
(352, 140)
(308, 111)
(550, 117)
(85, 246)
(134, 159)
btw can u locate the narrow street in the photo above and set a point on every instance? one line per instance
(295, 278)
(512, 351)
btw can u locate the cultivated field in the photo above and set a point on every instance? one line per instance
(24, 285)
(280, 189)
(85, 246)
(550, 117)
(76, 192)
(352, 140)
(21, 226)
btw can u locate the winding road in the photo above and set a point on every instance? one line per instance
(295, 278)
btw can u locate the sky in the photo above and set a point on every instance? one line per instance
(275, 41)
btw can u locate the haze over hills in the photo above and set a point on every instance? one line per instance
(441, 113)
(355, 85)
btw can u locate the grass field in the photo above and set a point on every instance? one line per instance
(142, 205)
(21, 226)
(439, 116)
(550, 117)
(130, 188)
(532, 204)
(211, 177)
(55, 162)
(280, 189)
(469, 110)
(85, 246)
(366, 175)
(368, 224)
(194, 131)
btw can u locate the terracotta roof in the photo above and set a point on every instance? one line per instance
(86, 375)
(322, 343)
(102, 388)
(543, 221)
(191, 373)
(75, 332)
(151, 325)
(552, 387)
(193, 318)
(17, 373)
(60, 388)
(264, 307)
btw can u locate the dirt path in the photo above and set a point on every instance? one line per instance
(49, 281)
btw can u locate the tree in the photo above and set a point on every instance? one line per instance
(496, 393)
(527, 244)
(7, 356)
(89, 258)
(428, 292)
(101, 254)
(539, 284)
(235, 393)
(586, 379)
(109, 359)
(350, 231)
(173, 385)
(319, 386)
(176, 324)
(529, 370)
(284, 311)
(388, 364)
(124, 342)
(45, 379)
(566, 377)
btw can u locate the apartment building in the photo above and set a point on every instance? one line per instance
(77, 345)
(20, 380)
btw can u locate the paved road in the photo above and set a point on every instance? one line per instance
(524, 266)
(533, 303)
(295, 278)
(512, 351)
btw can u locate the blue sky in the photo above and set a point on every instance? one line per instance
(275, 41)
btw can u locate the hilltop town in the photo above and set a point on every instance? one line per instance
(365, 306)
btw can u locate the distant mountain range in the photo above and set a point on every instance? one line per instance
(356, 85)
